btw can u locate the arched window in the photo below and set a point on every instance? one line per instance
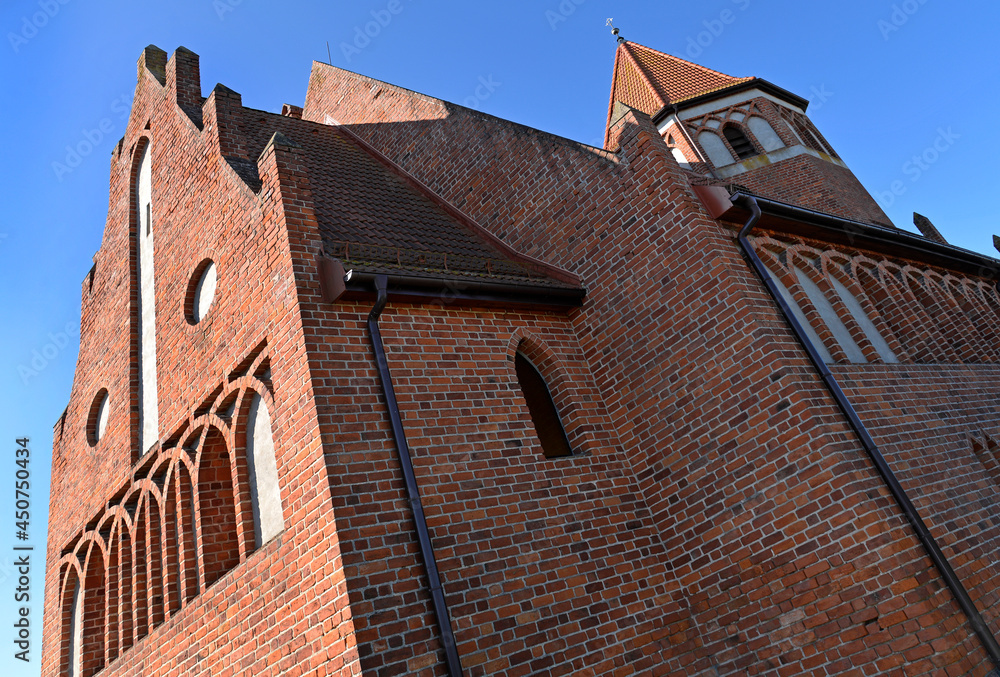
(739, 142)
(265, 493)
(543, 411)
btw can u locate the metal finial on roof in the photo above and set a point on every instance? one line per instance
(614, 31)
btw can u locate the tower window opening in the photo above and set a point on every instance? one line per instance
(739, 142)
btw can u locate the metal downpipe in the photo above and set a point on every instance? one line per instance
(895, 488)
(412, 488)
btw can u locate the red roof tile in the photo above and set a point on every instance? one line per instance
(647, 80)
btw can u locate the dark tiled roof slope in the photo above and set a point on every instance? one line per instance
(375, 221)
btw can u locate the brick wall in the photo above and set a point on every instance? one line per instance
(789, 552)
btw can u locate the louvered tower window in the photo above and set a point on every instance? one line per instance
(740, 143)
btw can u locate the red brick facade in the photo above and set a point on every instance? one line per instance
(718, 516)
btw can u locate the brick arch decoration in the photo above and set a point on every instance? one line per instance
(821, 265)
(987, 452)
(563, 388)
(242, 399)
(806, 132)
(85, 566)
(736, 115)
(70, 575)
(118, 525)
(837, 265)
(924, 315)
(779, 263)
(160, 541)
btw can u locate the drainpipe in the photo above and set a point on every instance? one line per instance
(412, 489)
(895, 488)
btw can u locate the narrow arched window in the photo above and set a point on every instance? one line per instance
(739, 142)
(543, 411)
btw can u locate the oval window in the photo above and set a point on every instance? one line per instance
(98, 416)
(203, 291)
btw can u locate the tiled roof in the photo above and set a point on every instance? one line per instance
(647, 80)
(377, 221)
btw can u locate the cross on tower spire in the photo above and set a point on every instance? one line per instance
(614, 31)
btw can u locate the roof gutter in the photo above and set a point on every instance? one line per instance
(862, 234)
(755, 83)
(434, 586)
(418, 288)
(794, 220)
(951, 579)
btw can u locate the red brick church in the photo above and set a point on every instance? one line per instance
(383, 386)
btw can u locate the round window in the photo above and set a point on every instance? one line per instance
(202, 291)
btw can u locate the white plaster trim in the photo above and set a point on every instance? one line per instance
(731, 100)
(786, 153)
(149, 427)
(861, 317)
(268, 520)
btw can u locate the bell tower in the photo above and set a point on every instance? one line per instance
(739, 130)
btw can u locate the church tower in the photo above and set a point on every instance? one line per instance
(738, 130)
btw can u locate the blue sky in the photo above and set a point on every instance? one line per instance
(905, 91)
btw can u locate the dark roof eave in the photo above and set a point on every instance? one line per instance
(448, 291)
(892, 241)
(756, 83)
